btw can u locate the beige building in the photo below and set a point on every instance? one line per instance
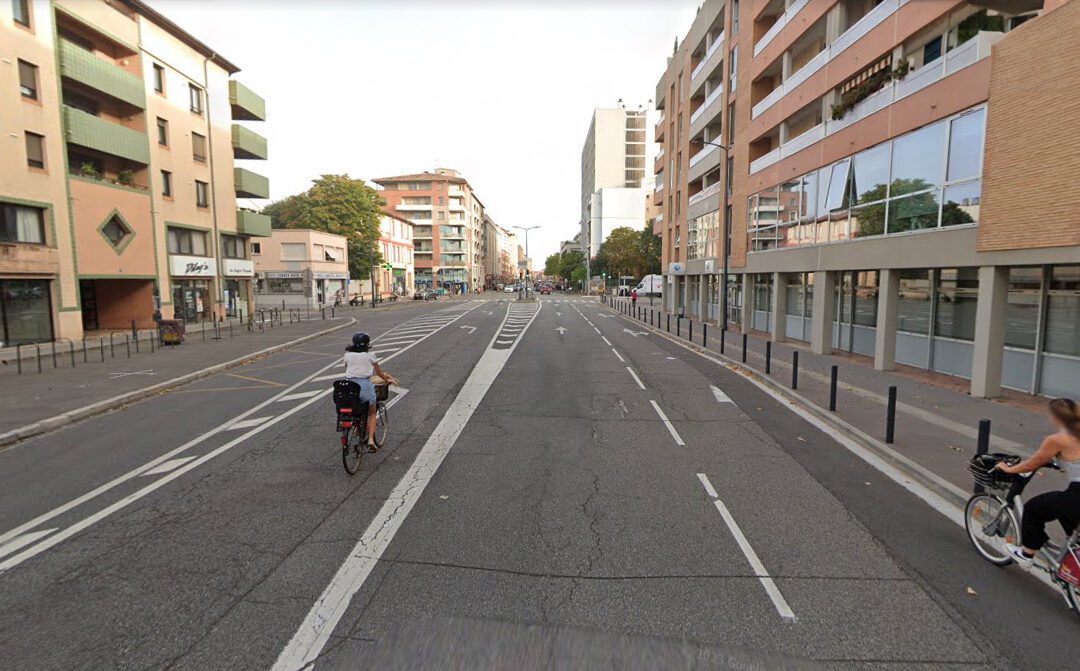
(300, 268)
(119, 189)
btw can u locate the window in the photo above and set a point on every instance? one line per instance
(162, 132)
(838, 182)
(916, 160)
(20, 10)
(19, 223)
(35, 150)
(965, 145)
(441, 199)
(1063, 311)
(256, 248)
(115, 231)
(440, 215)
(198, 147)
(291, 286)
(186, 241)
(28, 80)
(1022, 307)
(733, 65)
(913, 308)
(166, 183)
(955, 300)
(870, 175)
(734, 18)
(293, 251)
(202, 194)
(731, 124)
(232, 247)
(159, 78)
(195, 96)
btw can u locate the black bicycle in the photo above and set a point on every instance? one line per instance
(352, 414)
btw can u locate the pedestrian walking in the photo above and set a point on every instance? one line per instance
(633, 297)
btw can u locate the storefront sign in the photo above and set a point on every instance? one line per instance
(710, 266)
(191, 266)
(237, 268)
(331, 276)
(282, 275)
(676, 269)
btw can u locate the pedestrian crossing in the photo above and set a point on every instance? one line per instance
(517, 318)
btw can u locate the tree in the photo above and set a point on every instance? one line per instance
(551, 265)
(571, 260)
(621, 253)
(341, 205)
(650, 246)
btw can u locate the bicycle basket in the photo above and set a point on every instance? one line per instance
(983, 470)
(382, 392)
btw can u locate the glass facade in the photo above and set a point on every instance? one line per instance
(191, 299)
(25, 312)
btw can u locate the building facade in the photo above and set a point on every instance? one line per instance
(448, 227)
(893, 177)
(396, 247)
(120, 187)
(500, 252)
(301, 268)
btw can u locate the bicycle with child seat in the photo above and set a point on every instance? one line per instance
(992, 519)
(352, 418)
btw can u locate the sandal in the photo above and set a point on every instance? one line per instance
(372, 448)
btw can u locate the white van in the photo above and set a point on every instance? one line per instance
(650, 285)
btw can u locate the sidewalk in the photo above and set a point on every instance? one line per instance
(936, 419)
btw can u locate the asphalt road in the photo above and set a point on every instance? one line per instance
(557, 489)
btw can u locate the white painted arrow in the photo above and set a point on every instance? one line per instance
(561, 330)
(634, 333)
(472, 329)
(558, 314)
(721, 397)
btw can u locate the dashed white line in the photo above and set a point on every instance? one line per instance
(707, 485)
(634, 375)
(606, 341)
(616, 352)
(667, 422)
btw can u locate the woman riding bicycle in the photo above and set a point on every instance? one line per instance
(360, 365)
(1063, 506)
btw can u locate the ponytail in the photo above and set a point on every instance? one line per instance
(1068, 413)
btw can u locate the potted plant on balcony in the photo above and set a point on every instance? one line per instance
(126, 177)
(89, 170)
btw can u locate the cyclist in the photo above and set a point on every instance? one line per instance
(1063, 506)
(360, 365)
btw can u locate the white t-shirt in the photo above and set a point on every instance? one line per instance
(360, 364)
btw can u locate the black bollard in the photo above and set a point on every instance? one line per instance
(678, 326)
(669, 323)
(705, 335)
(723, 339)
(744, 339)
(768, 357)
(795, 369)
(71, 347)
(890, 416)
(833, 374)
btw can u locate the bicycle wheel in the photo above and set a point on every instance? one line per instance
(351, 454)
(982, 509)
(380, 425)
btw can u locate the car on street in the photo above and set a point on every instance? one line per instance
(510, 289)
(425, 295)
(545, 290)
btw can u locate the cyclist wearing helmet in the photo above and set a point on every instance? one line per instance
(360, 365)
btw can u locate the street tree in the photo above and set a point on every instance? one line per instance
(551, 265)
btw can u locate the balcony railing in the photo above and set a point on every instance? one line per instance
(781, 21)
(250, 184)
(87, 130)
(248, 144)
(710, 190)
(710, 99)
(246, 104)
(696, 158)
(252, 223)
(84, 67)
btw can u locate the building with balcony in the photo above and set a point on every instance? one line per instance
(301, 268)
(396, 247)
(500, 255)
(893, 178)
(448, 227)
(120, 200)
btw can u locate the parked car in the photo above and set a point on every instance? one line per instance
(545, 290)
(425, 295)
(510, 289)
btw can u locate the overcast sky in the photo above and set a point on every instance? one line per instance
(500, 91)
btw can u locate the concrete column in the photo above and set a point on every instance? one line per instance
(989, 331)
(747, 302)
(888, 303)
(778, 327)
(824, 312)
(684, 296)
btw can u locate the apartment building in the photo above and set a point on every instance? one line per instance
(448, 227)
(891, 178)
(300, 268)
(616, 168)
(120, 187)
(396, 247)
(499, 260)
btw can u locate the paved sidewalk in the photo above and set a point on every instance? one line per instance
(936, 420)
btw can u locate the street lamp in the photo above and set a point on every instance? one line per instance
(527, 229)
(727, 234)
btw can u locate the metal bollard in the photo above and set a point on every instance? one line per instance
(84, 350)
(101, 348)
(768, 357)
(54, 355)
(127, 344)
(322, 311)
(678, 326)
(71, 348)
(230, 330)
(982, 446)
(112, 349)
(744, 338)
(705, 335)
(37, 354)
(795, 369)
(833, 374)
(690, 330)
(890, 416)
(136, 342)
(18, 358)
(669, 323)
(333, 313)
(152, 337)
(204, 332)
(134, 331)
(723, 339)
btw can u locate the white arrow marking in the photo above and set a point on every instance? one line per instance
(472, 329)
(558, 314)
(634, 333)
(561, 330)
(720, 396)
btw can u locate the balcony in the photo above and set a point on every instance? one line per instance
(413, 207)
(781, 22)
(711, 190)
(658, 130)
(87, 130)
(248, 144)
(252, 223)
(709, 100)
(698, 157)
(250, 184)
(707, 64)
(81, 66)
(245, 104)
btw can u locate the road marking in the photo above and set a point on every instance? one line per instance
(618, 355)
(297, 396)
(20, 542)
(606, 341)
(248, 423)
(634, 333)
(472, 329)
(117, 376)
(667, 422)
(632, 374)
(504, 342)
(595, 329)
(771, 589)
(561, 330)
(255, 379)
(170, 464)
(721, 396)
(308, 641)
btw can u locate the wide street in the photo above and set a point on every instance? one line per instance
(559, 488)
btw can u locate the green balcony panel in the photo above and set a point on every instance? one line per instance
(247, 143)
(246, 104)
(253, 223)
(87, 130)
(84, 67)
(250, 184)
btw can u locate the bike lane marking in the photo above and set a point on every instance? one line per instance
(763, 577)
(319, 624)
(667, 422)
(142, 470)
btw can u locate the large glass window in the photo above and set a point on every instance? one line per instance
(232, 247)
(961, 203)
(870, 176)
(965, 145)
(956, 297)
(866, 297)
(186, 241)
(913, 308)
(838, 183)
(916, 160)
(1063, 311)
(1022, 307)
(19, 223)
(913, 213)
(25, 312)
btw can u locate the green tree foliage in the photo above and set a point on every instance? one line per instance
(621, 253)
(341, 205)
(551, 265)
(570, 261)
(905, 214)
(650, 246)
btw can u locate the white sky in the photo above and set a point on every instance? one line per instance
(500, 91)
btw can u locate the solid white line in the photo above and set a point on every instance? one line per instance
(709, 489)
(778, 600)
(20, 542)
(721, 397)
(634, 375)
(667, 423)
(618, 355)
(324, 378)
(298, 396)
(171, 464)
(504, 342)
(606, 341)
(248, 423)
(315, 631)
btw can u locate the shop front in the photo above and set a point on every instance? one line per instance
(192, 280)
(236, 286)
(328, 286)
(25, 312)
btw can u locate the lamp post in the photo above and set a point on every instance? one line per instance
(527, 229)
(727, 235)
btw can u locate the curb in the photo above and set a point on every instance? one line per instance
(22, 433)
(927, 478)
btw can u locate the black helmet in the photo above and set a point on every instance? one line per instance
(361, 341)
